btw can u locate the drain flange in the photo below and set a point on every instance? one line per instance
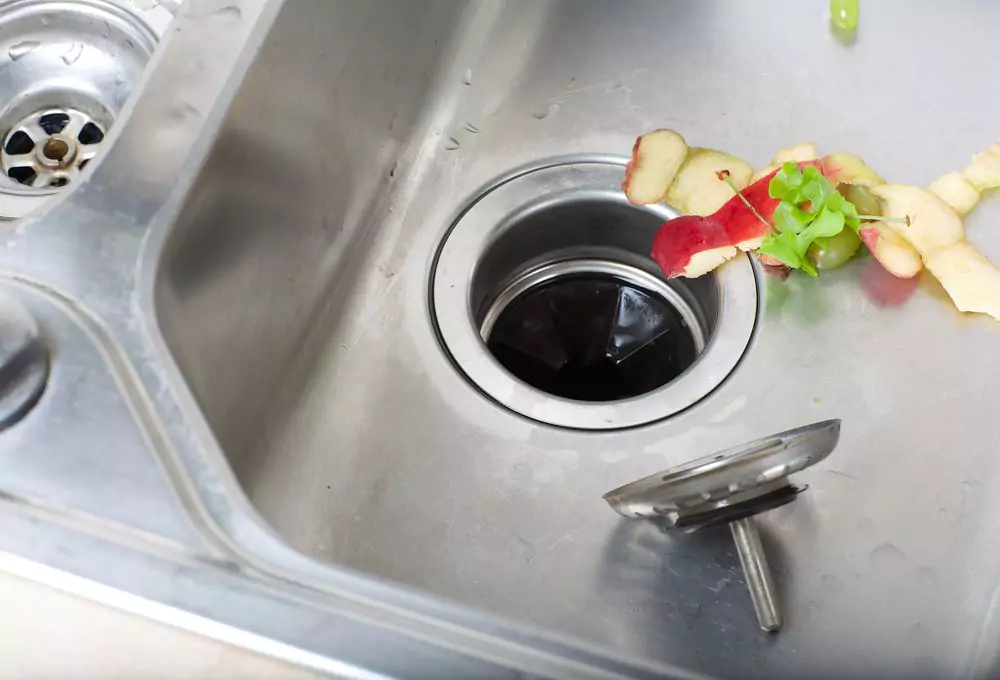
(70, 66)
(545, 298)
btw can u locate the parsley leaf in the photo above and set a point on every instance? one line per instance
(788, 218)
(838, 203)
(810, 210)
(786, 183)
(827, 223)
(815, 189)
(782, 247)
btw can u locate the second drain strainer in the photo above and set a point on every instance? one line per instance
(731, 487)
(67, 68)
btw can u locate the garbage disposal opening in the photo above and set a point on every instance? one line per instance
(571, 306)
(544, 296)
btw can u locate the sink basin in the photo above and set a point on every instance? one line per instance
(294, 294)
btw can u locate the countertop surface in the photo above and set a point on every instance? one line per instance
(46, 633)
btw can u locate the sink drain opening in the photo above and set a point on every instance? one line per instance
(593, 330)
(69, 67)
(48, 148)
(545, 297)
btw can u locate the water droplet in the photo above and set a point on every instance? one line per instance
(451, 144)
(73, 53)
(229, 15)
(886, 555)
(46, 20)
(22, 48)
(544, 111)
(467, 77)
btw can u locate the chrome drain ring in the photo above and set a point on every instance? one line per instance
(502, 238)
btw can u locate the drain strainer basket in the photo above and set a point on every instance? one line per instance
(730, 487)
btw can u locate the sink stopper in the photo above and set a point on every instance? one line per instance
(732, 486)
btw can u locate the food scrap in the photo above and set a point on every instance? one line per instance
(844, 20)
(844, 14)
(811, 213)
(692, 245)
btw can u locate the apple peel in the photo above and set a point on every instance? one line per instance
(845, 168)
(937, 233)
(895, 255)
(698, 189)
(955, 190)
(800, 153)
(931, 223)
(764, 172)
(803, 151)
(971, 280)
(984, 170)
(693, 245)
(657, 156)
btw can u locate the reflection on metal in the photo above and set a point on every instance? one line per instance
(731, 487)
(24, 362)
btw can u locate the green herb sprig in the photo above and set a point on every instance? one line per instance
(811, 210)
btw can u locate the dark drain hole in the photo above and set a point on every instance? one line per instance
(53, 123)
(19, 143)
(22, 175)
(592, 338)
(90, 134)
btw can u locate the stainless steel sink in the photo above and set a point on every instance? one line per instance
(271, 281)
